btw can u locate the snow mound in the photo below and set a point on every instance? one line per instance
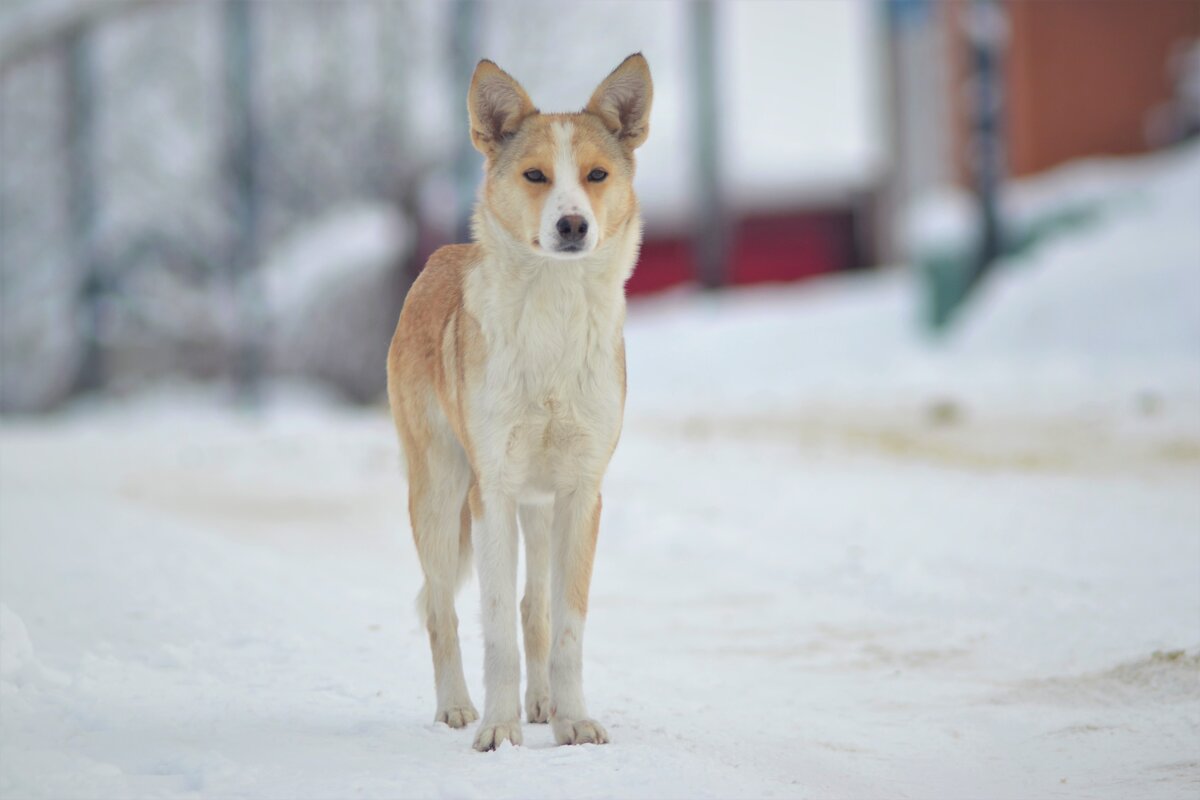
(1126, 286)
(16, 649)
(20, 668)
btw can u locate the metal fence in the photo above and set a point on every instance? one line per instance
(152, 155)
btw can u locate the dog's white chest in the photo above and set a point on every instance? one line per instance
(566, 410)
(554, 396)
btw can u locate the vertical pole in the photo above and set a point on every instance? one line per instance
(400, 183)
(390, 129)
(464, 49)
(243, 149)
(986, 33)
(711, 239)
(81, 187)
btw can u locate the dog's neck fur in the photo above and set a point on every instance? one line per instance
(511, 282)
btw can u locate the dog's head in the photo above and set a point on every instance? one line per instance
(560, 183)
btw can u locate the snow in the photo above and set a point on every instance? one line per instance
(1103, 295)
(946, 218)
(836, 561)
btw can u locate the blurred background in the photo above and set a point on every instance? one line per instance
(906, 498)
(236, 191)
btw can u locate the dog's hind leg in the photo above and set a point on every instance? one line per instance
(535, 610)
(437, 501)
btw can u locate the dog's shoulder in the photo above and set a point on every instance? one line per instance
(438, 290)
(441, 279)
(434, 300)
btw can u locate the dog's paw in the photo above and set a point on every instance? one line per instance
(582, 731)
(537, 707)
(457, 716)
(491, 737)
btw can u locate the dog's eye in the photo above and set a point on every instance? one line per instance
(535, 176)
(597, 175)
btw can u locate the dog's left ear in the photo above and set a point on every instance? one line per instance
(623, 101)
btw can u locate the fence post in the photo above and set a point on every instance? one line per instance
(711, 238)
(987, 30)
(81, 200)
(243, 165)
(464, 52)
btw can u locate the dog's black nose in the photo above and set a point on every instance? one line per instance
(572, 228)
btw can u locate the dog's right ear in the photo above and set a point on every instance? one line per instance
(497, 106)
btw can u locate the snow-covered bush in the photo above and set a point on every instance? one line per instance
(333, 292)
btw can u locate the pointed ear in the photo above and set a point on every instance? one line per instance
(497, 105)
(623, 101)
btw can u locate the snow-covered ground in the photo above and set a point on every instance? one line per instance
(836, 561)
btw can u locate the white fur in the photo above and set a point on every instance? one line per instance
(543, 423)
(536, 528)
(535, 413)
(567, 197)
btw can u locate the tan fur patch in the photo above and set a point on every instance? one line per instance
(517, 203)
(581, 571)
(536, 624)
(435, 345)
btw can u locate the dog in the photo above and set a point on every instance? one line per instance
(506, 380)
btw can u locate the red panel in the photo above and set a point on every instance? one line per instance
(664, 263)
(791, 247)
(766, 248)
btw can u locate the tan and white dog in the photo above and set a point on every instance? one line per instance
(506, 378)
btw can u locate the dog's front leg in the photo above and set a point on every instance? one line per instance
(495, 539)
(576, 526)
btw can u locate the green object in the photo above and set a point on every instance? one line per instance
(947, 270)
